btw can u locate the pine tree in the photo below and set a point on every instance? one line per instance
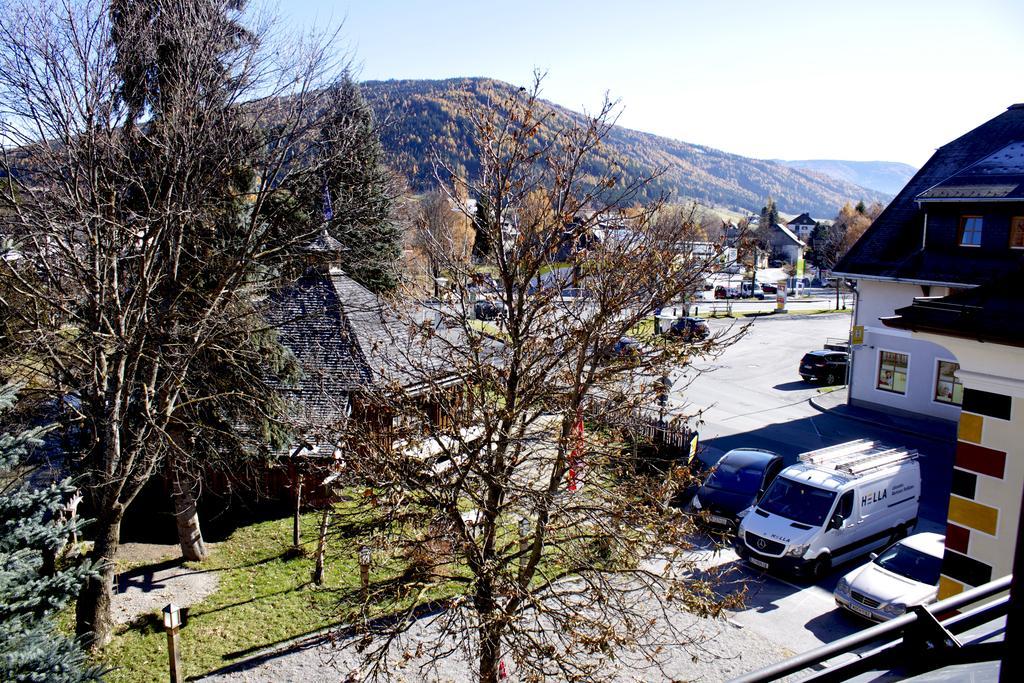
(31, 649)
(481, 226)
(362, 190)
(769, 214)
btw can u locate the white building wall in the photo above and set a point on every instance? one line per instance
(878, 299)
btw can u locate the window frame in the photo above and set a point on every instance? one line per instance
(963, 224)
(956, 381)
(1019, 220)
(878, 372)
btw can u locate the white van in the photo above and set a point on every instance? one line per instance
(835, 504)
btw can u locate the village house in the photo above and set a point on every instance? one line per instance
(802, 226)
(957, 224)
(344, 340)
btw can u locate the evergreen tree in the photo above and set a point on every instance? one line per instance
(361, 190)
(31, 649)
(769, 215)
(481, 226)
(224, 385)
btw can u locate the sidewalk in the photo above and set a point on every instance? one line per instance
(834, 403)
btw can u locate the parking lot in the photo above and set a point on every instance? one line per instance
(752, 396)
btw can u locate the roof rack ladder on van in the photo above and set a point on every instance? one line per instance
(855, 458)
(825, 456)
(875, 461)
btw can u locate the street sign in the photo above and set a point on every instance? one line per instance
(857, 335)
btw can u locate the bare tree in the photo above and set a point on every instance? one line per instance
(152, 210)
(512, 495)
(441, 234)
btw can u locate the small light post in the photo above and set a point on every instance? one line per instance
(365, 557)
(172, 622)
(524, 543)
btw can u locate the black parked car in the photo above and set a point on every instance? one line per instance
(690, 329)
(825, 366)
(736, 483)
(488, 310)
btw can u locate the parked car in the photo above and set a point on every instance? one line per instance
(723, 292)
(690, 329)
(488, 310)
(901, 576)
(735, 484)
(751, 290)
(825, 365)
(769, 288)
(834, 505)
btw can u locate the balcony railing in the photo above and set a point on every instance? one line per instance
(917, 637)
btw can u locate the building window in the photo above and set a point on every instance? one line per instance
(948, 388)
(970, 231)
(892, 371)
(1017, 232)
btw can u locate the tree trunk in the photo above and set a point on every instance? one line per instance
(321, 548)
(186, 517)
(93, 621)
(490, 653)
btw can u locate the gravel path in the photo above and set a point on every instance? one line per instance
(149, 588)
(722, 651)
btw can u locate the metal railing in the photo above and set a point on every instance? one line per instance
(914, 633)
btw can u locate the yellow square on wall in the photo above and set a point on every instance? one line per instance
(970, 427)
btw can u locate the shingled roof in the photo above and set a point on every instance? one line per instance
(345, 340)
(311, 323)
(802, 219)
(891, 247)
(997, 177)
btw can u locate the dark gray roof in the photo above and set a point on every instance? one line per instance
(310, 322)
(345, 340)
(802, 219)
(891, 247)
(998, 176)
(324, 244)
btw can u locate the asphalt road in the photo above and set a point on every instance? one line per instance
(752, 396)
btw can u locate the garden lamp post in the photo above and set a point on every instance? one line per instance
(172, 622)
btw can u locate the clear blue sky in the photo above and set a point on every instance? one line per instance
(859, 79)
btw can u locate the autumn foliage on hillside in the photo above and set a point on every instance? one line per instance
(424, 122)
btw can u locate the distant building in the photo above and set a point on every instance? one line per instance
(785, 244)
(802, 226)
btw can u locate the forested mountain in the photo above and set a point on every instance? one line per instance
(884, 176)
(425, 118)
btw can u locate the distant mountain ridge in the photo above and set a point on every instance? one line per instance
(424, 118)
(884, 176)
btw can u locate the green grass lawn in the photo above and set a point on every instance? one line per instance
(265, 596)
(643, 330)
(489, 328)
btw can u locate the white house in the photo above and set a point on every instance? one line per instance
(957, 224)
